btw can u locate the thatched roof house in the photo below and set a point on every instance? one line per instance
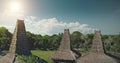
(19, 44)
(64, 53)
(97, 52)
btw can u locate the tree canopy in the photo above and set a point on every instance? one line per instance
(46, 42)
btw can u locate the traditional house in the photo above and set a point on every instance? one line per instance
(19, 44)
(64, 54)
(97, 52)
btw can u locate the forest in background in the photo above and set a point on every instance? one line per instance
(79, 41)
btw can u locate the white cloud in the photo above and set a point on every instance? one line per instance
(53, 26)
(46, 26)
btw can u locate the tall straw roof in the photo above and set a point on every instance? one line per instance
(64, 52)
(19, 44)
(97, 53)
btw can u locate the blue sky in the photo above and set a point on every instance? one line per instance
(80, 15)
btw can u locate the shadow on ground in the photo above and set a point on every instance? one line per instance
(114, 56)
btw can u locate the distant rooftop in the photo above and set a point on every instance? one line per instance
(97, 52)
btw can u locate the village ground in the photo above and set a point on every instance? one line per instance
(43, 54)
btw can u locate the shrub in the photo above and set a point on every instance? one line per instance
(27, 59)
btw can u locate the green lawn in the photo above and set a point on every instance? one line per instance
(43, 54)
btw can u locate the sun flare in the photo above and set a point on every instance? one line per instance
(15, 6)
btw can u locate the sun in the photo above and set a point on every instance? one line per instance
(15, 6)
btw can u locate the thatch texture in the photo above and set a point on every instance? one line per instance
(64, 52)
(97, 45)
(97, 58)
(97, 54)
(63, 55)
(19, 44)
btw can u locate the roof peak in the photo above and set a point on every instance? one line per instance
(64, 52)
(97, 44)
(65, 43)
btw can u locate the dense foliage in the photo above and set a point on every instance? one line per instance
(5, 38)
(46, 42)
(29, 59)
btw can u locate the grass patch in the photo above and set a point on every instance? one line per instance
(27, 59)
(43, 54)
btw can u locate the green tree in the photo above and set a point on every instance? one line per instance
(88, 40)
(76, 39)
(46, 42)
(5, 38)
(31, 39)
(56, 39)
(104, 37)
(116, 43)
